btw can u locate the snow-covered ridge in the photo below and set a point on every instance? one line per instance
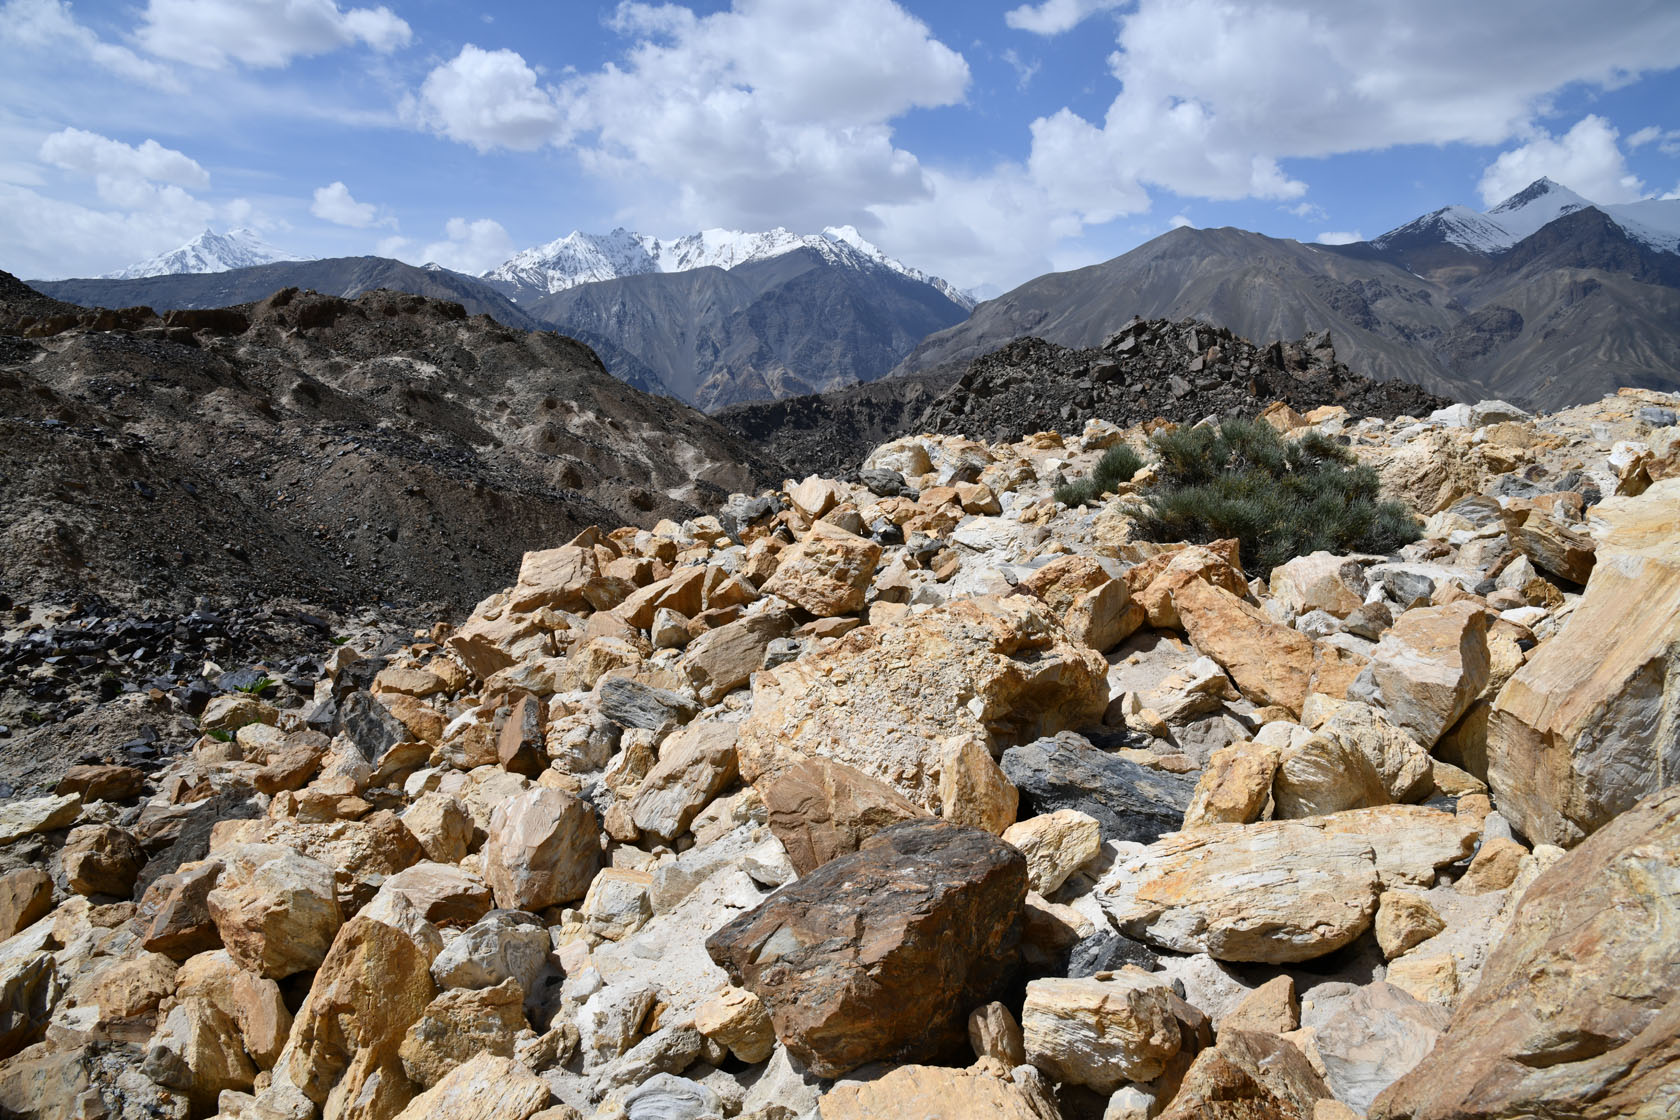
(584, 258)
(209, 252)
(1654, 222)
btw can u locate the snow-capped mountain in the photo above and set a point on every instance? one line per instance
(209, 252)
(584, 258)
(1655, 222)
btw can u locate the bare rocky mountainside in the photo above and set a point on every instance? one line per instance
(1573, 309)
(919, 795)
(1182, 372)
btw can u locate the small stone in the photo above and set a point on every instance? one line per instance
(1405, 920)
(736, 1019)
(1056, 845)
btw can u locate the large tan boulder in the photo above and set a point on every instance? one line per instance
(276, 909)
(942, 1093)
(696, 763)
(1590, 724)
(1270, 664)
(1101, 1033)
(196, 1049)
(722, 660)
(1273, 892)
(1409, 842)
(102, 859)
(736, 1019)
(1249, 1076)
(1428, 669)
(1235, 787)
(374, 984)
(543, 849)
(826, 573)
(1578, 1008)
(26, 896)
(885, 698)
(252, 1002)
(460, 1024)
(973, 788)
(1056, 845)
(568, 578)
(1320, 581)
(1553, 547)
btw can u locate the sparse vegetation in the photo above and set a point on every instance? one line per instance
(1117, 465)
(1279, 498)
(258, 686)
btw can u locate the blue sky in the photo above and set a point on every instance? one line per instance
(984, 143)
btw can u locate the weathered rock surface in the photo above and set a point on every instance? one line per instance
(1591, 723)
(1101, 1033)
(940, 1093)
(883, 698)
(821, 809)
(276, 910)
(1577, 1011)
(543, 849)
(1428, 669)
(881, 954)
(1276, 891)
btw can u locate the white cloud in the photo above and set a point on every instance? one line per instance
(49, 24)
(1586, 159)
(1338, 237)
(334, 203)
(1667, 140)
(1644, 136)
(1311, 211)
(1179, 221)
(490, 99)
(469, 246)
(393, 246)
(1053, 17)
(75, 149)
(263, 33)
(1671, 195)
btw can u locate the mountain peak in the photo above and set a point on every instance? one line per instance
(209, 252)
(584, 258)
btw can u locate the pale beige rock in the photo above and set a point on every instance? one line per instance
(1369, 1036)
(543, 849)
(826, 573)
(460, 1024)
(940, 1093)
(486, 1088)
(1100, 1033)
(1319, 581)
(25, 897)
(196, 1049)
(1275, 891)
(1428, 669)
(252, 1002)
(994, 1033)
(277, 910)
(736, 1019)
(1427, 978)
(233, 710)
(1269, 1009)
(815, 496)
(696, 763)
(1494, 868)
(721, 660)
(442, 826)
(972, 787)
(1104, 616)
(374, 984)
(1404, 766)
(1411, 842)
(1156, 583)
(884, 698)
(1325, 774)
(1404, 921)
(567, 578)
(617, 902)
(1249, 1074)
(102, 859)
(39, 814)
(1056, 845)
(126, 988)
(1586, 727)
(1236, 786)
(444, 894)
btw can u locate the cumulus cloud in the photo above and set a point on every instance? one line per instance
(490, 99)
(76, 149)
(1339, 237)
(334, 203)
(1056, 16)
(263, 33)
(468, 246)
(1179, 221)
(1586, 159)
(49, 24)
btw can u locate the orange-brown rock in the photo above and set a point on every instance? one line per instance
(820, 809)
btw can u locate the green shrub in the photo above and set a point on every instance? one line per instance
(1279, 499)
(1118, 464)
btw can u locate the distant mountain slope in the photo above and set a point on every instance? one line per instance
(1545, 299)
(587, 258)
(793, 323)
(209, 252)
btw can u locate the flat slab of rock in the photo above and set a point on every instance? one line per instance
(1128, 801)
(1586, 727)
(1275, 892)
(881, 954)
(1580, 1001)
(942, 1093)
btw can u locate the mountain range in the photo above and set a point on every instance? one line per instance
(1547, 298)
(209, 252)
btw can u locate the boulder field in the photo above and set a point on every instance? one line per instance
(924, 796)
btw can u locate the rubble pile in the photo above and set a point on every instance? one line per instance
(924, 795)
